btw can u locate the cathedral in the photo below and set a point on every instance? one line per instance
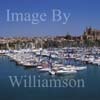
(92, 34)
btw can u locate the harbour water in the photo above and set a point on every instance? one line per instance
(91, 90)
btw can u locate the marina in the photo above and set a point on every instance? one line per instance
(29, 63)
(56, 61)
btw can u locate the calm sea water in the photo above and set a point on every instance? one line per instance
(91, 90)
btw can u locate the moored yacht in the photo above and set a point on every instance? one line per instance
(65, 72)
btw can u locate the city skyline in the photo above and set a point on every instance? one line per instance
(83, 14)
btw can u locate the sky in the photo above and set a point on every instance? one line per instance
(83, 13)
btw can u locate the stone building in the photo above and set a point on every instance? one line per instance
(92, 34)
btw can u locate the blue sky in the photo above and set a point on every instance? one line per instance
(83, 13)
